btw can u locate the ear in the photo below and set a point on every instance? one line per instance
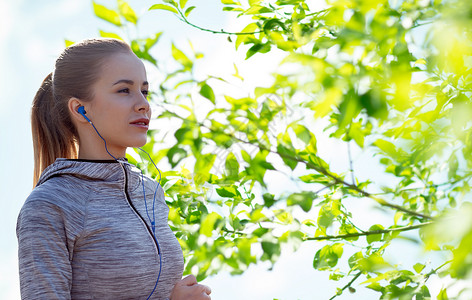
(74, 104)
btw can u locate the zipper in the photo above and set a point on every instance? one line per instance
(128, 198)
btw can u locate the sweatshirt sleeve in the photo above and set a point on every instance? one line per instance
(43, 252)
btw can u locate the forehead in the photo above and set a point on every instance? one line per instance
(122, 66)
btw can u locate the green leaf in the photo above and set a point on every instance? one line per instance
(328, 256)
(232, 166)
(236, 72)
(258, 48)
(272, 250)
(349, 229)
(303, 199)
(269, 199)
(377, 278)
(303, 133)
(287, 155)
(424, 294)
(175, 155)
(151, 41)
(355, 259)
(127, 12)
(207, 92)
(172, 2)
(257, 9)
(141, 52)
(372, 263)
(418, 267)
(259, 232)
(349, 108)
(208, 224)
(387, 147)
(68, 43)
(442, 295)
(327, 214)
(164, 7)
(231, 8)
(355, 132)
(453, 165)
(242, 38)
(204, 163)
(110, 35)
(183, 3)
(181, 134)
(181, 58)
(374, 237)
(189, 10)
(273, 24)
(375, 104)
(106, 14)
(244, 251)
(227, 192)
(283, 216)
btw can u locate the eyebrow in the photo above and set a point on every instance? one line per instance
(130, 82)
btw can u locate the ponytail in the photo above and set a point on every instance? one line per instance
(76, 70)
(50, 140)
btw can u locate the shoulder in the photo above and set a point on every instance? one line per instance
(141, 178)
(60, 191)
(54, 198)
(152, 184)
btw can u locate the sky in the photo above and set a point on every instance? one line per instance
(32, 35)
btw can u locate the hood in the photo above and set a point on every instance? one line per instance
(97, 170)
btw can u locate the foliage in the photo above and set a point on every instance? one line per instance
(390, 78)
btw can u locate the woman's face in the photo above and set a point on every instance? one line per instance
(119, 108)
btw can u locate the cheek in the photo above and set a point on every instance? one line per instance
(117, 111)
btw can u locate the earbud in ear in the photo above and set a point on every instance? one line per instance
(81, 111)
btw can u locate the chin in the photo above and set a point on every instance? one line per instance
(139, 143)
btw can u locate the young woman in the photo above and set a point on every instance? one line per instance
(94, 227)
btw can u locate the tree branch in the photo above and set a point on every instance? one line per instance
(366, 233)
(315, 167)
(438, 185)
(335, 178)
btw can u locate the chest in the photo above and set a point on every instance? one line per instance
(117, 257)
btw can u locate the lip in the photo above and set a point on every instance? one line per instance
(142, 123)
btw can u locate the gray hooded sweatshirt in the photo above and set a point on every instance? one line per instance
(84, 233)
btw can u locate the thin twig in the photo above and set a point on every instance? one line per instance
(339, 293)
(468, 176)
(350, 162)
(185, 20)
(434, 271)
(366, 233)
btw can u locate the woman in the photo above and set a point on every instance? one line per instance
(94, 227)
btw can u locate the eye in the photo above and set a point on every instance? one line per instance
(145, 93)
(126, 91)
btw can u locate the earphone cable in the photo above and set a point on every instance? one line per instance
(153, 221)
(106, 149)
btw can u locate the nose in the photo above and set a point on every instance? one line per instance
(142, 104)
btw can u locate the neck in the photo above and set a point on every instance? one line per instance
(95, 150)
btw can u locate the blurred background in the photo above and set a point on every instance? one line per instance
(32, 35)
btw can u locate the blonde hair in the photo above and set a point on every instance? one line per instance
(75, 72)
